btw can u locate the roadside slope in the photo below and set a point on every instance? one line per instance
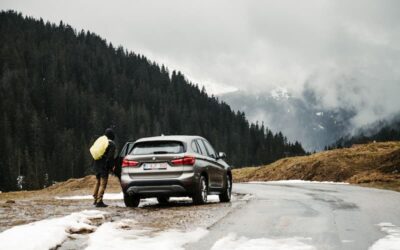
(373, 165)
(81, 186)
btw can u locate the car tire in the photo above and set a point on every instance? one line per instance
(200, 191)
(225, 196)
(163, 200)
(131, 201)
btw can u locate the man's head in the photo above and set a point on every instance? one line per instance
(110, 133)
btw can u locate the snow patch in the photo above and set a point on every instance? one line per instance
(247, 197)
(232, 242)
(389, 242)
(280, 93)
(122, 235)
(319, 113)
(107, 196)
(47, 234)
(298, 182)
(120, 196)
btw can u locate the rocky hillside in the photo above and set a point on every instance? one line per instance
(374, 165)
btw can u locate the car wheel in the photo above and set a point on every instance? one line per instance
(163, 200)
(225, 196)
(131, 201)
(200, 192)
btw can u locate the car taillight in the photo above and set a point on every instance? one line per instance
(129, 163)
(187, 160)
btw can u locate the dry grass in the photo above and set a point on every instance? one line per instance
(374, 164)
(82, 186)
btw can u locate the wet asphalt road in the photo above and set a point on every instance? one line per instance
(329, 216)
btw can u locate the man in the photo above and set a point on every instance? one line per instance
(101, 167)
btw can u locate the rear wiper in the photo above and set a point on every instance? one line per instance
(160, 152)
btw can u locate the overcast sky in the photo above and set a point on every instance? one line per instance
(347, 51)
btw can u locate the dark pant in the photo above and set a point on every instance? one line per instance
(100, 188)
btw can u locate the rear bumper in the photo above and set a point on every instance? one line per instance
(181, 186)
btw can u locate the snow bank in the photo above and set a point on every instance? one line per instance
(107, 196)
(47, 234)
(391, 241)
(121, 235)
(120, 196)
(298, 182)
(232, 242)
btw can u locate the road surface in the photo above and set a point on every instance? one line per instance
(320, 216)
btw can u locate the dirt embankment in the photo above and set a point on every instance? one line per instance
(374, 165)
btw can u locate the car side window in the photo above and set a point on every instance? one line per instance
(129, 148)
(202, 147)
(122, 153)
(195, 147)
(210, 150)
(126, 149)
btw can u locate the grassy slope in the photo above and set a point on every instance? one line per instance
(82, 186)
(373, 165)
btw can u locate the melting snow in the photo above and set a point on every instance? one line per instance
(120, 196)
(107, 196)
(120, 236)
(47, 234)
(389, 242)
(232, 242)
(298, 182)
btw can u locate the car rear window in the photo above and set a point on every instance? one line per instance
(157, 147)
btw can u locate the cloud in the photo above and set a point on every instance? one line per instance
(348, 52)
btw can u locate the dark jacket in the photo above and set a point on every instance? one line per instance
(105, 163)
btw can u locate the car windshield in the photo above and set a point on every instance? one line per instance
(157, 147)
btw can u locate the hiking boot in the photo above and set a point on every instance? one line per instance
(94, 203)
(101, 204)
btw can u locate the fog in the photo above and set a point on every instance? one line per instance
(347, 52)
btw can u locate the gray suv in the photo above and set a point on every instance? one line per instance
(167, 166)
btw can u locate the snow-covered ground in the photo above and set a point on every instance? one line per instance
(123, 234)
(120, 236)
(233, 242)
(298, 182)
(47, 234)
(107, 196)
(129, 234)
(389, 242)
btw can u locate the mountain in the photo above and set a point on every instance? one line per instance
(59, 90)
(374, 165)
(300, 119)
(380, 131)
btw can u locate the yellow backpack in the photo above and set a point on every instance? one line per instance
(99, 147)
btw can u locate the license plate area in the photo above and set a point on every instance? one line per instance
(155, 166)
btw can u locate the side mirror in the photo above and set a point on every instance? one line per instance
(221, 155)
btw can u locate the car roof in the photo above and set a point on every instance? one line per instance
(183, 138)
